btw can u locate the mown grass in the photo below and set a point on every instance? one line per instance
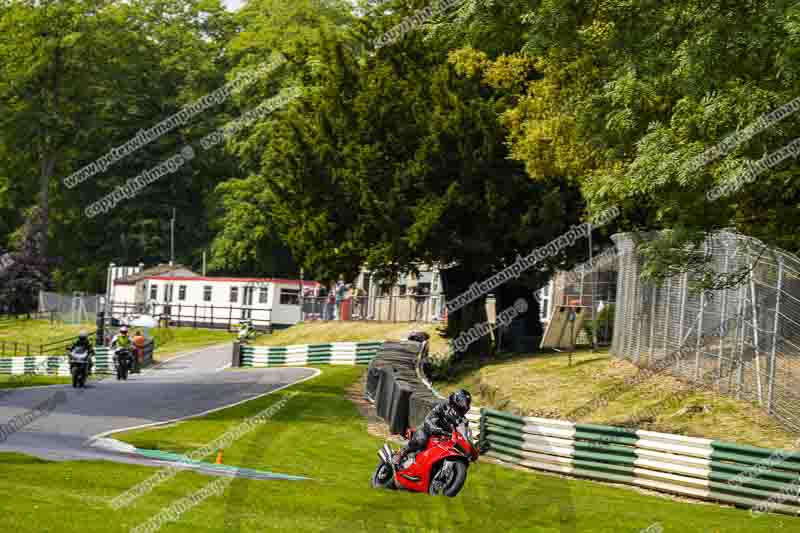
(346, 331)
(30, 380)
(544, 385)
(320, 434)
(36, 332)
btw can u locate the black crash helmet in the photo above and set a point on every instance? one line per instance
(460, 401)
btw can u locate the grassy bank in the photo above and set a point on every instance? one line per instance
(345, 331)
(544, 385)
(38, 332)
(319, 433)
(27, 380)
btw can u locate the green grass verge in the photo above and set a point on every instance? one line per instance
(36, 332)
(544, 385)
(320, 434)
(346, 331)
(29, 380)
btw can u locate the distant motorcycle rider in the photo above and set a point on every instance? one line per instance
(84, 342)
(120, 341)
(441, 420)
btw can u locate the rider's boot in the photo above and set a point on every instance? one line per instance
(400, 457)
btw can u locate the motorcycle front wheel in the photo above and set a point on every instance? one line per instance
(449, 479)
(383, 477)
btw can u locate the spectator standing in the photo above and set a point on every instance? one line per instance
(341, 289)
(330, 303)
(138, 346)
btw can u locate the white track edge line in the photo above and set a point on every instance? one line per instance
(166, 422)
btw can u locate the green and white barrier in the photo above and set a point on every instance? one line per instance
(54, 365)
(700, 468)
(334, 353)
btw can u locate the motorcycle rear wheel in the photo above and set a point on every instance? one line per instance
(453, 484)
(383, 477)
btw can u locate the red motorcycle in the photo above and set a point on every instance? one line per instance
(440, 469)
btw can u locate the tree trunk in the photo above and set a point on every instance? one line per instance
(506, 295)
(456, 280)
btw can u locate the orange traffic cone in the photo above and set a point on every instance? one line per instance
(219, 457)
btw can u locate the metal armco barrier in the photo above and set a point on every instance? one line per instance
(334, 353)
(699, 468)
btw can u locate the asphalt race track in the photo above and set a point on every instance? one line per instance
(185, 386)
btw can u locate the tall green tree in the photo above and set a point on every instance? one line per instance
(399, 159)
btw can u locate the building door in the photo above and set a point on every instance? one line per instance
(167, 299)
(247, 301)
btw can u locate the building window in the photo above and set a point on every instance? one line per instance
(207, 293)
(153, 292)
(290, 297)
(262, 295)
(401, 290)
(182, 293)
(234, 294)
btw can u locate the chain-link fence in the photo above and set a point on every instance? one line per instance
(743, 340)
(72, 308)
(592, 285)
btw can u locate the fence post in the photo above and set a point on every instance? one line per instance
(755, 336)
(652, 324)
(212, 316)
(230, 316)
(681, 322)
(638, 299)
(669, 309)
(236, 360)
(699, 335)
(772, 359)
(739, 342)
(195, 316)
(723, 329)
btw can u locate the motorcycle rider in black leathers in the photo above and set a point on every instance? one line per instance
(83, 340)
(441, 420)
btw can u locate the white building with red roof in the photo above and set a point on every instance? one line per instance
(208, 301)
